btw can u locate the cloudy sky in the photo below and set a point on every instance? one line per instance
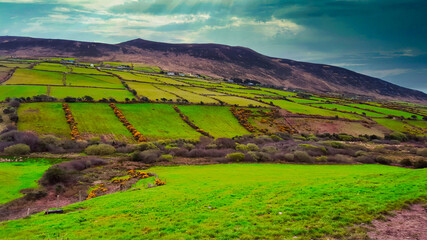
(381, 38)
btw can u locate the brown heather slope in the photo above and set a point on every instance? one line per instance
(218, 61)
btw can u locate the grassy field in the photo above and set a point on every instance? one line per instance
(15, 91)
(280, 92)
(351, 109)
(43, 118)
(93, 81)
(15, 176)
(10, 64)
(394, 125)
(191, 97)
(96, 93)
(148, 90)
(170, 81)
(218, 121)
(301, 100)
(136, 77)
(28, 76)
(235, 201)
(82, 70)
(304, 109)
(420, 124)
(52, 67)
(99, 120)
(157, 121)
(386, 111)
(232, 100)
(200, 90)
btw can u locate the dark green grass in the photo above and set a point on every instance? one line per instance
(15, 176)
(15, 91)
(157, 121)
(235, 201)
(98, 119)
(96, 93)
(351, 109)
(43, 118)
(386, 111)
(93, 81)
(218, 121)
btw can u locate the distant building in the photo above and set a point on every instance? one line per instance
(91, 65)
(171, 73)
(182, 74)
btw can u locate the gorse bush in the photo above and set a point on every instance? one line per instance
(235, 157)
(101, 149)
(17, 149)
(302, 156)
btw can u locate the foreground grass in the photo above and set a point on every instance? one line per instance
(235, 201)
(95, 93)
(17, 91)
(15, 176)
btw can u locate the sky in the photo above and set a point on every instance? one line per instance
(381, 38)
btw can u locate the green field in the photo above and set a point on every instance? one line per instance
(232, 100)
(301, 100)
(43, 118)
(82, 70)
(280, 92)
(28, 76)
(191, 97)
(99, 120)
(157, 121)
(308, 110)
(420, 124)
(170, 81)
(151, 92)
(96, 93)
(11, 64)
(217, 121)
(394, 125)
(15, 176)
(16, 91)
(52, 67)
(136, 77)
(235, 201)
(93, 81)
(386, 111)
(351, 109)
(200, 90)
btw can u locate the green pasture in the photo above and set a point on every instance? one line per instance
(351, 109)
(280, 92)
(420, 124)
(200, 83)
(157, 121)
(395, 125)
(200, 90)
(243, 102)
(134, 76)
(386, 111)
(235, 201)
(43, 118)
(52, 67)
(11, 64)
(17, 91)
(93, 81)
(28, 76)
(308, 110)
(89, 70)
(151, 92)
(217, 121)
(191, 97)
(15, 176)
(96, 93)
(302, 100)
(170, 81)
(98, 119)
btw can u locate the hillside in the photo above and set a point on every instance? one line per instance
(217, 61)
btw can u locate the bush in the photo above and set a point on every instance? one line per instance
(95, 140)
(337, 145)
(148, 157)
(406, 162)
(339, 158)
(17, 149)
(275, 138)
(420, 163)
(56, 175)
(146, 146)
(383, 160)
(252, 147)
(188, 146)
(422, 152)
(302, 156)
(397, 136)
(289, 157)
(322, 159)
(225, 143)
(101, 149)
(235, 157)
(165, 158)
(269, 149)
(360, 153)
(242, 147)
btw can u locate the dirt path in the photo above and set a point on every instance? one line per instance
(405, 224)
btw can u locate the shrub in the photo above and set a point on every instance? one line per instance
(242, 147)
(360, 153)
(17, 149)
(235, 157)
(397, 136)
(101, 149)
(148, 157)
(383, 160)
(302, 156)
(225, 143)
(422, 152)
(252, 147)
(146, 146)
(322, 159)
(339, 158)
(55, 175)
(94, 140)
(289, 157)
(269, 149)
(188, 146)
(406, 162)
(337, 145)
(275, 138)
(251, 156)
(420, 163)
(345, 137)
(14, 104)
(166, 158)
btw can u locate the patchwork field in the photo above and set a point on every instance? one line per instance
(386, 111)
(52, 67)
(233, 201)
(304, 109)
(16, 91)
(191, 97)
(82, 70)
(43, 118)
(27, 76)
(151, 92)
(351, 109)
(15, 176)
(301, 100)
(157, 121)
(218, 121)
(396, 125)
(96, 93)
(135, 77)
(233, 100)
(93, 81)
(99, 120)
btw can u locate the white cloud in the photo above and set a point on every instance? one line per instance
(386, 72)
(348, 64)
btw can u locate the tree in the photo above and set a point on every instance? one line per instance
(88, 98)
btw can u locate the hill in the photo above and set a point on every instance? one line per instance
(218, 61)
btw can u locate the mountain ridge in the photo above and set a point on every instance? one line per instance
(216, 60)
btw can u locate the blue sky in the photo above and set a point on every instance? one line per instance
(381, 38)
